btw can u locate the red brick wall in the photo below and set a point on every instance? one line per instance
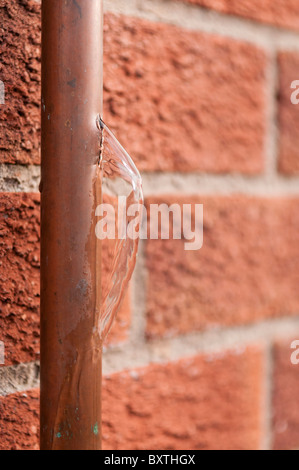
(283, 13)
(200, 355)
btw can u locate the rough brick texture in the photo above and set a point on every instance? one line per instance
(19, 276)
(20, 73)
(172, 96)
(200, 403)
(284, 13)
(19, 421)
(179, 101)
(246, 271)
(288, 114)
(285, 397)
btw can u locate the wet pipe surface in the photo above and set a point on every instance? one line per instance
(116, 178)
(82, 276)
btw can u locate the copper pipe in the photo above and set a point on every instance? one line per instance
(70, 296)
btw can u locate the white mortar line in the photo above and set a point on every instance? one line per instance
(202, 184)
(200, 19)
(213, 343)
(17, 178)
(20, 378)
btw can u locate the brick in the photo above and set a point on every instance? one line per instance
(288, 114)
(19, 421)
(201, 403)
(283, 13)
(20, 73)
(161, 82)
(247, 270)
(19, 276)
(285, 398)
(184, 101)
(204, 402)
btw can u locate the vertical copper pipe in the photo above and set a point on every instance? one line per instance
(70, 349)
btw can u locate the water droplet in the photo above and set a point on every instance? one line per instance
(119, 224)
